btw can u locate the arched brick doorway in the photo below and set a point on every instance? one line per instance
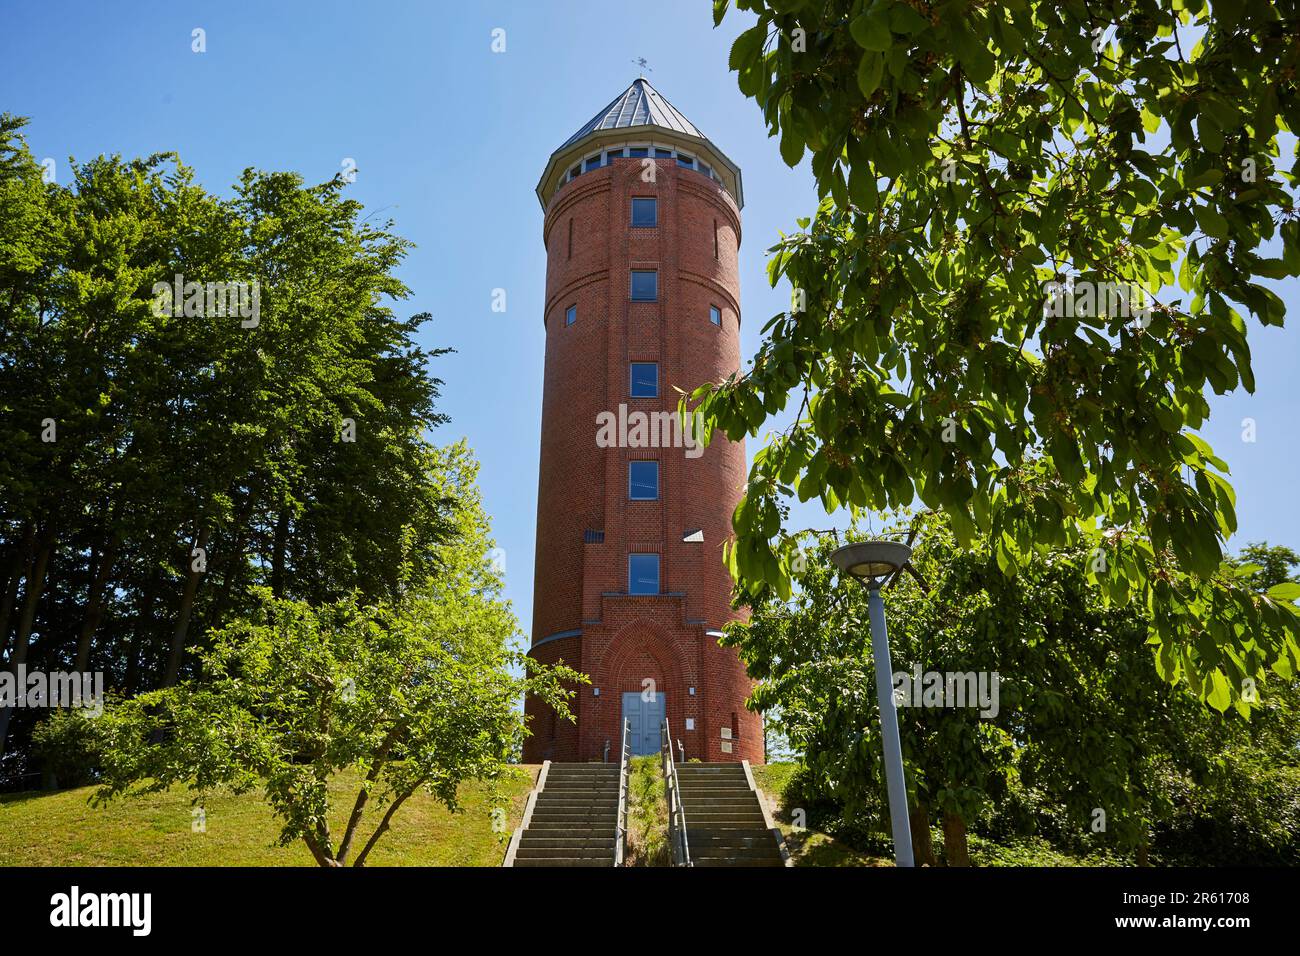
(645, 678)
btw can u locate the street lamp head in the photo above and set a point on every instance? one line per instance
(869, 560)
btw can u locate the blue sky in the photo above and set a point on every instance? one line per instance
(449, 139)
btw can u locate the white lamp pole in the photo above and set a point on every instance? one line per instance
(869, 563)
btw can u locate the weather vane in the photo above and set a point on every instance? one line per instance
(644, 65)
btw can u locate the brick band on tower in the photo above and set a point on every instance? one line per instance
(642, 235)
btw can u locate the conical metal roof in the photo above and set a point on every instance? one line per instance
(643, 111)
(639, 105)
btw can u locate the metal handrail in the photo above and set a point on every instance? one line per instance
(673, 790)
(620, 828)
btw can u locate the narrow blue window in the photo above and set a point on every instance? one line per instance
(715, 315)
(684, 160)
(663, 154)
(637, 152)
(643, 574)
(589, 165)
(645, 211)
(643, 480)
(570, 315)
(645, 380)
(645, 285)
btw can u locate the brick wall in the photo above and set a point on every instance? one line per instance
(580, 585)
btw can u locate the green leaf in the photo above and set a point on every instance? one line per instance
(747, 46)
(1286, 591)
(791, 146)
(1220, 695)
(871, 32)
(870, 69)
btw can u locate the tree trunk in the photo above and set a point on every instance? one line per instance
(32, 597)
(278, 549)
(186, 611)
(318, 852)
(95, 605)
(954, 840)
(1144, 853)
(233, 562)
(142, 629)
(384, 823)
(22, 568)
(363, 796)
(922, 848)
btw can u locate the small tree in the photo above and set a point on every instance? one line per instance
(416, 694)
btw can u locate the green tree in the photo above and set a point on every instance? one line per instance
(1080, 716)
(417, 692)
(1267, 566)
(165, 456)
(979, 167)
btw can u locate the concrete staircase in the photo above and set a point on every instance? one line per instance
(726, 822)
(571, 818)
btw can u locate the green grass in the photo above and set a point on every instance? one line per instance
(62, 829)
(647, 814)
(807, 847)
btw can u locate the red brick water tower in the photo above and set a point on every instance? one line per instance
(642, 234)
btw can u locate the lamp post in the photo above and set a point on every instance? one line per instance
(869, 563)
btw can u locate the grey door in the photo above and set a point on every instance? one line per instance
(646, 713)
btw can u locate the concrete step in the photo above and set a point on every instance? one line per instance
(733, 836)
(577, 820)
(583, 827)
(578, 796)
(746, 811)
(702, 817)
(716, 773)
(565, 861)
(730, 773)
(712, 775)
(602, 854)
(598, 773)
(536, 839)
(583, 770)
(736, 852)
(568, 834)
(722, 861)
(727, 800)
(587, 810)
(741, 848)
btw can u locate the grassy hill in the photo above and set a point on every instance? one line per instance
(62, 829)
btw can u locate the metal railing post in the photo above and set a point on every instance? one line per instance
(620, 826)
(673, 791)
